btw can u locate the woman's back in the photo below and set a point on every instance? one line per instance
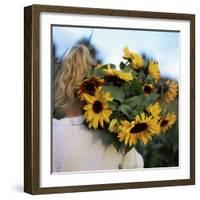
(76, 148)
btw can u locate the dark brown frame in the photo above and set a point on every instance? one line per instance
(32, 106)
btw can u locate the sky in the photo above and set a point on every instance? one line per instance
(162, 46)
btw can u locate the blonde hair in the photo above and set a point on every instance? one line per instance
(73, 70)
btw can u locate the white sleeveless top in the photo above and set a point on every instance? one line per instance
(76, 148)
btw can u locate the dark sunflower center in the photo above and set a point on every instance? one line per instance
(164, 123)
(159, 89)
(97, 107)
(165, 88)
(130, 60)
(147, 89)
(90, 88)
(113, 79)
(139, 127)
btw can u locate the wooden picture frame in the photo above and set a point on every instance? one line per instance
(32, 106)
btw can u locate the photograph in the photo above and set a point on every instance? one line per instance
(109, 99)
(114, 98)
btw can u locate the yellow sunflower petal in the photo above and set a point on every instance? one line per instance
(89, 98)
(144, 139)
(106, 114)
(154, 109)
(126, 52)
(167, 122)
(101, 120)
(133, 140)
(87, 107)
(127, 139)
(171, 92)
(154, 71)
(96, 121)
(89, 115)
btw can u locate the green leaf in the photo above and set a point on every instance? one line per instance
(113, 105)
(150, 80)
(151, 98)
(139, 109)
(136, 86)
(164, 110)
(144, 102)
(127, 68)
(89, 72)
(141, 74)
(117, 144)
(110, 138)
(132, 101)
(127, 110)
(128, 148)
(122, 65)
(165, 87)
(106, 138)
(113, 66)
(116, 92)
(99, 72)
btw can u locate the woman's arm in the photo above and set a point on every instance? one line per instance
(58, 148)
(132, 160)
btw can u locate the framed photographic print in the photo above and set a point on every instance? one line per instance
(109, 99)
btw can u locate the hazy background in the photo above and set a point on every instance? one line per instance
(109, 44)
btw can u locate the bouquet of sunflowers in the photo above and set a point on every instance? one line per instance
(130, 103)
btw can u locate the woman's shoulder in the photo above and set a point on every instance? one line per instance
(65, 127)
(68, 121)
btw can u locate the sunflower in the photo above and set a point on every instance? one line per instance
(89, 86)
(114, 126)
(148, 88)
(134, 58)
(97, 109)
(167, 121)
(171, 91)
(142, 129)
(153, 70)
(116, 77)
(154, 109)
